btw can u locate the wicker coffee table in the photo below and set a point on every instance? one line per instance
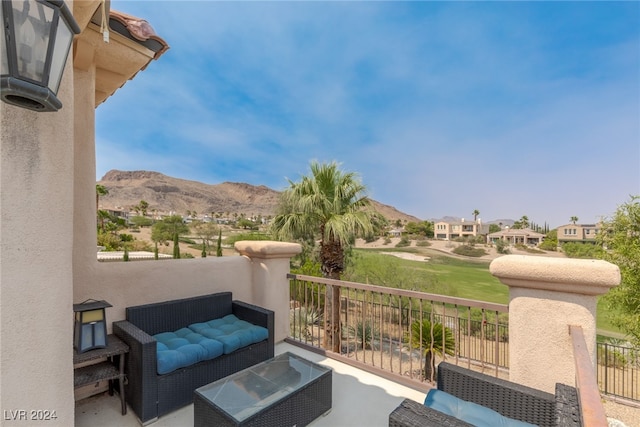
(284, 391)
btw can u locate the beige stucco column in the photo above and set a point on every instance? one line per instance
(270, 266)
(36, 281)
(545, 296)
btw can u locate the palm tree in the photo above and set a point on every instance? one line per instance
(475, 214)
(329, 205)
(101, 190)
(574, 219)
(433, 341)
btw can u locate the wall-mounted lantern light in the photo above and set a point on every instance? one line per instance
(90, 325)
(35, 43)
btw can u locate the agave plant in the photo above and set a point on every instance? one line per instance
(300, 319)
(364, 332)
(434, 340)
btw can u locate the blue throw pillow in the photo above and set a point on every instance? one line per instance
(469, 412)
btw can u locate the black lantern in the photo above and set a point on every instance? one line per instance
(90, 325)
(36, 38)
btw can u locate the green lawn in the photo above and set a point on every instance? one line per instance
(451, 276)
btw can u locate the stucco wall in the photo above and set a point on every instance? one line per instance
(546, 295)
(125, 284)
(36, 229)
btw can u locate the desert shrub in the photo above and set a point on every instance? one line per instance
(582, 250)
(404, 241)
(502, 247)
(387, 240)
(470, 251)
(370, 238)
(423, 243)
(110, 241)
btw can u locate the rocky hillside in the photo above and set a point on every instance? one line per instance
(166, 194)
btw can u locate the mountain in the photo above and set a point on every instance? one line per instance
(167, 194)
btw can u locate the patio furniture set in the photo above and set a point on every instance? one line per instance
(466, 398)
(219, 355)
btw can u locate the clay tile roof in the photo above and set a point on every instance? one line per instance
(139, 30)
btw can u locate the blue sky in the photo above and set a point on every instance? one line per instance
(511, 108)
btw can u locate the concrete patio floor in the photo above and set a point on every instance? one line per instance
(359, 399)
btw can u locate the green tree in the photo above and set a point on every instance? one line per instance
(143, 206)
(176, 246)
(475, 214)
(141, 221)
(574, 219)
(620, 236)
(423, 228)
(204, 230)
(521, 223)
(494, 228)
(433, 341)
(170, 228)
(550, 242)
(219, 245)
(245, 223)
(331, 205)
(101, 190)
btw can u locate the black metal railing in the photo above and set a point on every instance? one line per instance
(399, 332)
(619, 370)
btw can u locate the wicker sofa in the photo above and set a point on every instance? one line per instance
(507, 398)
(151, 395)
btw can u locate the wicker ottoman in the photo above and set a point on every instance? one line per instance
(284, 391)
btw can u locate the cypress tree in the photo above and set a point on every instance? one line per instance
(219, 246)
(176, 246)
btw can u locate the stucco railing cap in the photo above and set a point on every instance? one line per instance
(267, 249)
(582, 276)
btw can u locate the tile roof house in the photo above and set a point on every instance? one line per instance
(514, 236)
(447, 230)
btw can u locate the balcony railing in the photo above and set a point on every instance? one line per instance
(591, 409)
(619, 371)
(396, 332)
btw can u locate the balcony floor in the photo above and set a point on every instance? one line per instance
(359, 399)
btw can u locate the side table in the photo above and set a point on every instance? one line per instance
(104, 367)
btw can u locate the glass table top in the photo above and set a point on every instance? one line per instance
(247, 392)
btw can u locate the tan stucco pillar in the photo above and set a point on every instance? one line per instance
(545, 296)
(36, 248)
(84, 212)
(270, 266)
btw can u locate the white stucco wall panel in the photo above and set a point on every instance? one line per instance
(546, 295)
(126, 284)
(539, 342)
(36, 239)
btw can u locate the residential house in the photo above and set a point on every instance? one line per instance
(447, 230)
(515, 236)
(582, 233)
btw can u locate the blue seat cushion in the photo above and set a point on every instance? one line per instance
(183, 348)
(205, 341)
(469, 412)
(232, 332)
